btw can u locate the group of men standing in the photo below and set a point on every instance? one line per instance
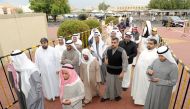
(63, 71)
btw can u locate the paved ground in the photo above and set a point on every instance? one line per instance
(125, 103)
(179, 43)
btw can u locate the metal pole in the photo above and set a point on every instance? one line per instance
(185, 94)
(178, 87)
(1, 105)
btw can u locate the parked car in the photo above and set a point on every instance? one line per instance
(175, 21)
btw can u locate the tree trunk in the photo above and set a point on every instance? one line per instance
(47, 16)
(55, 18)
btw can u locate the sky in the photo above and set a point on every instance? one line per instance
(87, 3)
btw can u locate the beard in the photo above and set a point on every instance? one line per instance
(68, 49)
(149, 48)
(113, 46)
(45, 47)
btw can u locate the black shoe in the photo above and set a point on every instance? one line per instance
(104, 99)
(117, 98)
(102, 83)
(124, 89)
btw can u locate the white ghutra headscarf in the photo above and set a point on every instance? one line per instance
(26, 67)
(89, 61)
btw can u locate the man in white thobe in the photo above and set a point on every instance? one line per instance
(140, 81)
(146, 32)
(60, 47)
(48, 64)
(130, 21)
(91, 37)
(99, 47)
(76, 40)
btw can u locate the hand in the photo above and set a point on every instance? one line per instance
(106, 61)
(63, 61)
(98, 83)
(66, 102)
(150, 72)
(155, 80)
(121, 75)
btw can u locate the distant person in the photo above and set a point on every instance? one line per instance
(137, 39)
(153, 18)
(155, 35)
(122, 26)
(130, 21)
(76, 40)
(94, 31)
(127, 22)
(147, 31)
(60, 47)
(136, 35)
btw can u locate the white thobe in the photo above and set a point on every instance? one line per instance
(48, 64)
(140, 83)
(59, 50)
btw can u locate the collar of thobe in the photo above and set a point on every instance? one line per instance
(155, 49)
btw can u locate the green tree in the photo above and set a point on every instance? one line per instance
(92, 23)
(50, 7)
(169, 4)
(111, 19)
(69, 27)
(103, 6)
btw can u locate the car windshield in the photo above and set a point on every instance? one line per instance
(175, 18)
